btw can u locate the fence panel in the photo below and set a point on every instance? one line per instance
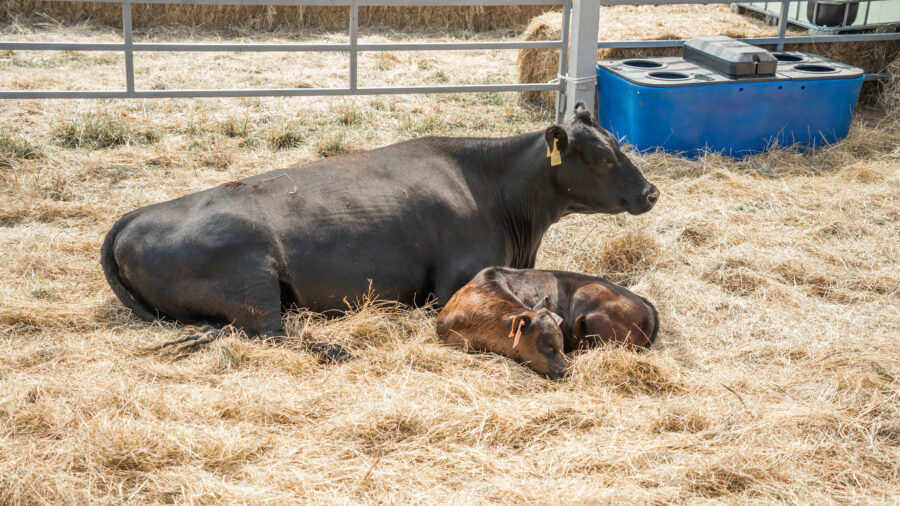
(353, 47)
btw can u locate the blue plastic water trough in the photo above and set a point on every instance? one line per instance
(689, 107)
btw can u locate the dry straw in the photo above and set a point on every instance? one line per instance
(775, 378)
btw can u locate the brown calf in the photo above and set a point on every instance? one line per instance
(593, 311)
(484, 315)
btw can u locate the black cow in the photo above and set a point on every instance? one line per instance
(414, 220)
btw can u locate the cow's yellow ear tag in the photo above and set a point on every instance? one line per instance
(555, 157)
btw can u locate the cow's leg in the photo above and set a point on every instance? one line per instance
(252, 303)
(248, 302)
(453, 277)
(262, 319)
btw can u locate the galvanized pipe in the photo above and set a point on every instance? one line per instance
(799, 39)
(563, 59)
(251, 47)
(274, 92)
(782, 24)
(129, 42)
(354, 22)
(581, 73)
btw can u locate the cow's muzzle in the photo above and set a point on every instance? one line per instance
(645, 201)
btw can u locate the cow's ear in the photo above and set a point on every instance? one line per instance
(582, 114)
(580, 327)
(543, 304)
(558, 134)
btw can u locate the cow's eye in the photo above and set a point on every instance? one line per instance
(610, 164)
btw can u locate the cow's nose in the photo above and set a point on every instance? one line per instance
(652, 196)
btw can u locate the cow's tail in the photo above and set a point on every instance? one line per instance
(655, 330)
(111, 270)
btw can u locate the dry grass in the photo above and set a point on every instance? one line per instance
(98, 132)
(776, 377)
(649, 22)
(14, 147)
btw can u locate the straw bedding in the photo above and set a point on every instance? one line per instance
(776, 378)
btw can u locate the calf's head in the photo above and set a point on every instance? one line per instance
(595, 176)
(538, 341)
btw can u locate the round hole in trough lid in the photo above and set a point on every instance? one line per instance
(788, 57)
(815, 69)
(669, 76)
(642, 64)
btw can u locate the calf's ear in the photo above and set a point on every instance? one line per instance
(579, 329)
(558, 134)
(543, 304)
(519, 321)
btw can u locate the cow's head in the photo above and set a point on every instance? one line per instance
(595, 176)
(538, 341)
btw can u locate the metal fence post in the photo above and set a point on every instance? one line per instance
(354, 33)
(563, 60)
(581, 78)
(129, 46)
(782, 24)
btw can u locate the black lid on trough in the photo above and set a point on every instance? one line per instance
(729, 56)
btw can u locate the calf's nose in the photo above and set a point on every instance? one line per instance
(652, 195)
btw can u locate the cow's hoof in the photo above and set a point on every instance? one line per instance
(328, 353)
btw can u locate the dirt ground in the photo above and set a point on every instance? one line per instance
(776, 377)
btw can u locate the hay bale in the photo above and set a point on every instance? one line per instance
(668, 22)
(889, 97)
(540, 65)
(476, 18)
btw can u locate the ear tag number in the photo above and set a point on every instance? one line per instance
(555, 157)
